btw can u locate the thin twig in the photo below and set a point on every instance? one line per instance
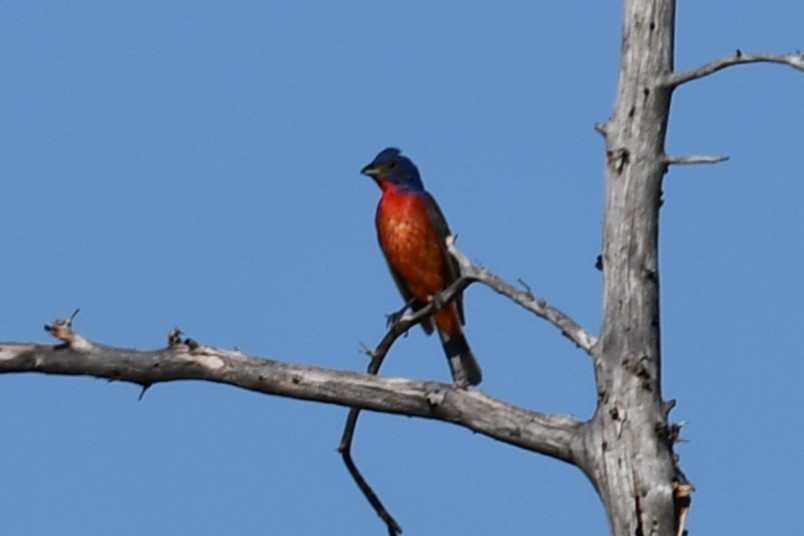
(398, 324)
(602, 129)
(676, 79)
(569, 328)
(694, 159)
(345, 448)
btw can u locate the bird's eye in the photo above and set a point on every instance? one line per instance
(392, 165)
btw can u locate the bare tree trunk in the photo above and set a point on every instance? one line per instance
(628, 451)
(630, 456)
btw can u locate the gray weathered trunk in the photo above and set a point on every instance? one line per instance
(629, 450)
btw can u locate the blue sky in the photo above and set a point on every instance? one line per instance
(195, 164)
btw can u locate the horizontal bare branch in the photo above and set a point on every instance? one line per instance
(525, 298)
(553, 435)
(676, 79)
(694, 159)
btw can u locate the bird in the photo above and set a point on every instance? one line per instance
(412, 233)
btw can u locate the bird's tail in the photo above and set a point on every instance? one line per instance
(462, 362)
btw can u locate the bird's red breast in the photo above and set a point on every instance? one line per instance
(415, 252)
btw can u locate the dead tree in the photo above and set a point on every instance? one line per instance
(626, 447)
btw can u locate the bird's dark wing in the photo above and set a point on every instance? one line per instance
(451, 269)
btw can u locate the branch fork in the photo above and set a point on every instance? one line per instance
(400, 323)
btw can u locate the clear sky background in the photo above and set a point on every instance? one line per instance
(196, 164)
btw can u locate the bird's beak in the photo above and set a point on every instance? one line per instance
(370, 170)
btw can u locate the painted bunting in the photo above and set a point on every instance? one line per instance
(412, 233)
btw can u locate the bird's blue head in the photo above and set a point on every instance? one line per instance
(390, 168)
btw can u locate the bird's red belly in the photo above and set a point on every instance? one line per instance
(413, 252)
